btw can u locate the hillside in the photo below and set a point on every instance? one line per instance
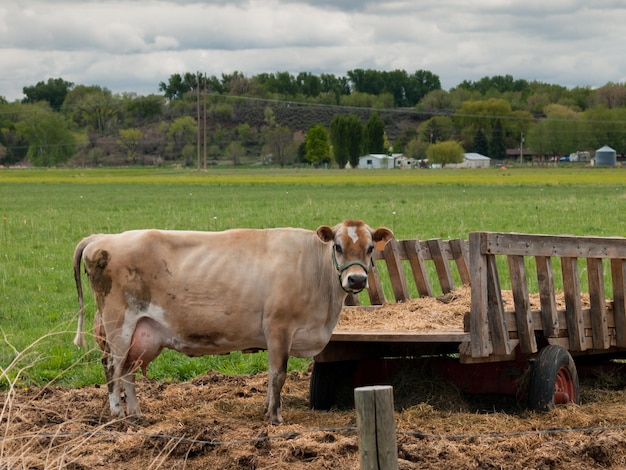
(105, 150)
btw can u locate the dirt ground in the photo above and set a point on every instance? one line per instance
(216, 421)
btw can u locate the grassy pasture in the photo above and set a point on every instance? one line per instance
(44, 213)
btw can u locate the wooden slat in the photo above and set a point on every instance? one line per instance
(437, 251)
(396, 274)
(418, 267)
(523, 315)
(553, 245)
(451, 336)
(466, 358)
(573, 304)
(618, 275)
(460, 256)
(479, 322)
(597, 300)
(495, 312)
(375, 288)
(545, 278)
(447, 251)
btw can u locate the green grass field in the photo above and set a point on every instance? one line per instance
(44, 213)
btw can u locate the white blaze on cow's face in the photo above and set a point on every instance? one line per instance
(352, 234)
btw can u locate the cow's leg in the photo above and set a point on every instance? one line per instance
(113, 383)
(119, 375)
(109, 364)
(278, 355)
(132, 404)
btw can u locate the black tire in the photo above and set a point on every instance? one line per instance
(322, 386)
(553, 379)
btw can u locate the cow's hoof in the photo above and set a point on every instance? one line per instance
(117, 413)
(274, 418)
(139, 420)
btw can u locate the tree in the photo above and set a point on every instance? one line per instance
(420, 84)
(182, 132)
(437, 129)
(482, 114)
(557, 134)
(93, 107)
(374, 135)
(143, 109)
(130, 139)
(612, 95)
(13, 144)
(244, 131)
(317, 146)
(602, 126)
(494, 117)
(53, 92)
(436, 101)
(346, 136)
(416, 149)
(309, 84)
(235, 152)
(406, 90)
(497, 148)
(366, 100)
(279, 83)
(221, 112)
(238, 84)
(50, 141)
(499, 83)
(335, 87)
(269, 118)
(178, 85)
(446, 152)
(481, 145)
(404, 138)
(279, 142)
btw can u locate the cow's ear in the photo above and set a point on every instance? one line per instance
(381, 236)
(325, 233)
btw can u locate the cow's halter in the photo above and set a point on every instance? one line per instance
(343, 267)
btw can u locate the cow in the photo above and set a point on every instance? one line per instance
(202, 293)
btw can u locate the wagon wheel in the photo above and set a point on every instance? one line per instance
(322, 386)
(331, 384)
(553, 380)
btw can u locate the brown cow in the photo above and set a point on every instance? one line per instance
(215, 292)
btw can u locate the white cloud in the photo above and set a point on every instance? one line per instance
(133, 45)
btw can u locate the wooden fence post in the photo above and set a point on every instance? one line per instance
(378, 449)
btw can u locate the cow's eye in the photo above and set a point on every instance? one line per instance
(370, 249)
(338, 249)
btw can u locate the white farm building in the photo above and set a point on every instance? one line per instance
(382, 160)
(472, 160)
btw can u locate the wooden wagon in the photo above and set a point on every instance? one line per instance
(497, 345)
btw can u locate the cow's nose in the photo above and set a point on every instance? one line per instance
(357, 281)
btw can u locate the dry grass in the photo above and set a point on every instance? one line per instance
(217, 421)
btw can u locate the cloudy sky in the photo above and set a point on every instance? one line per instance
(131, 46)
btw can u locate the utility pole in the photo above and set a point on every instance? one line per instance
(204, 123)
(521, 149)
(198, 116)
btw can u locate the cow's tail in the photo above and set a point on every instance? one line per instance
(79, 339)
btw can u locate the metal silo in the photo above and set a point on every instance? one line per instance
(606, 156)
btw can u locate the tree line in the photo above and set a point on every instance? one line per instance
(284, 118)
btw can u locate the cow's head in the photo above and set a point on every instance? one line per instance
(353, 244)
